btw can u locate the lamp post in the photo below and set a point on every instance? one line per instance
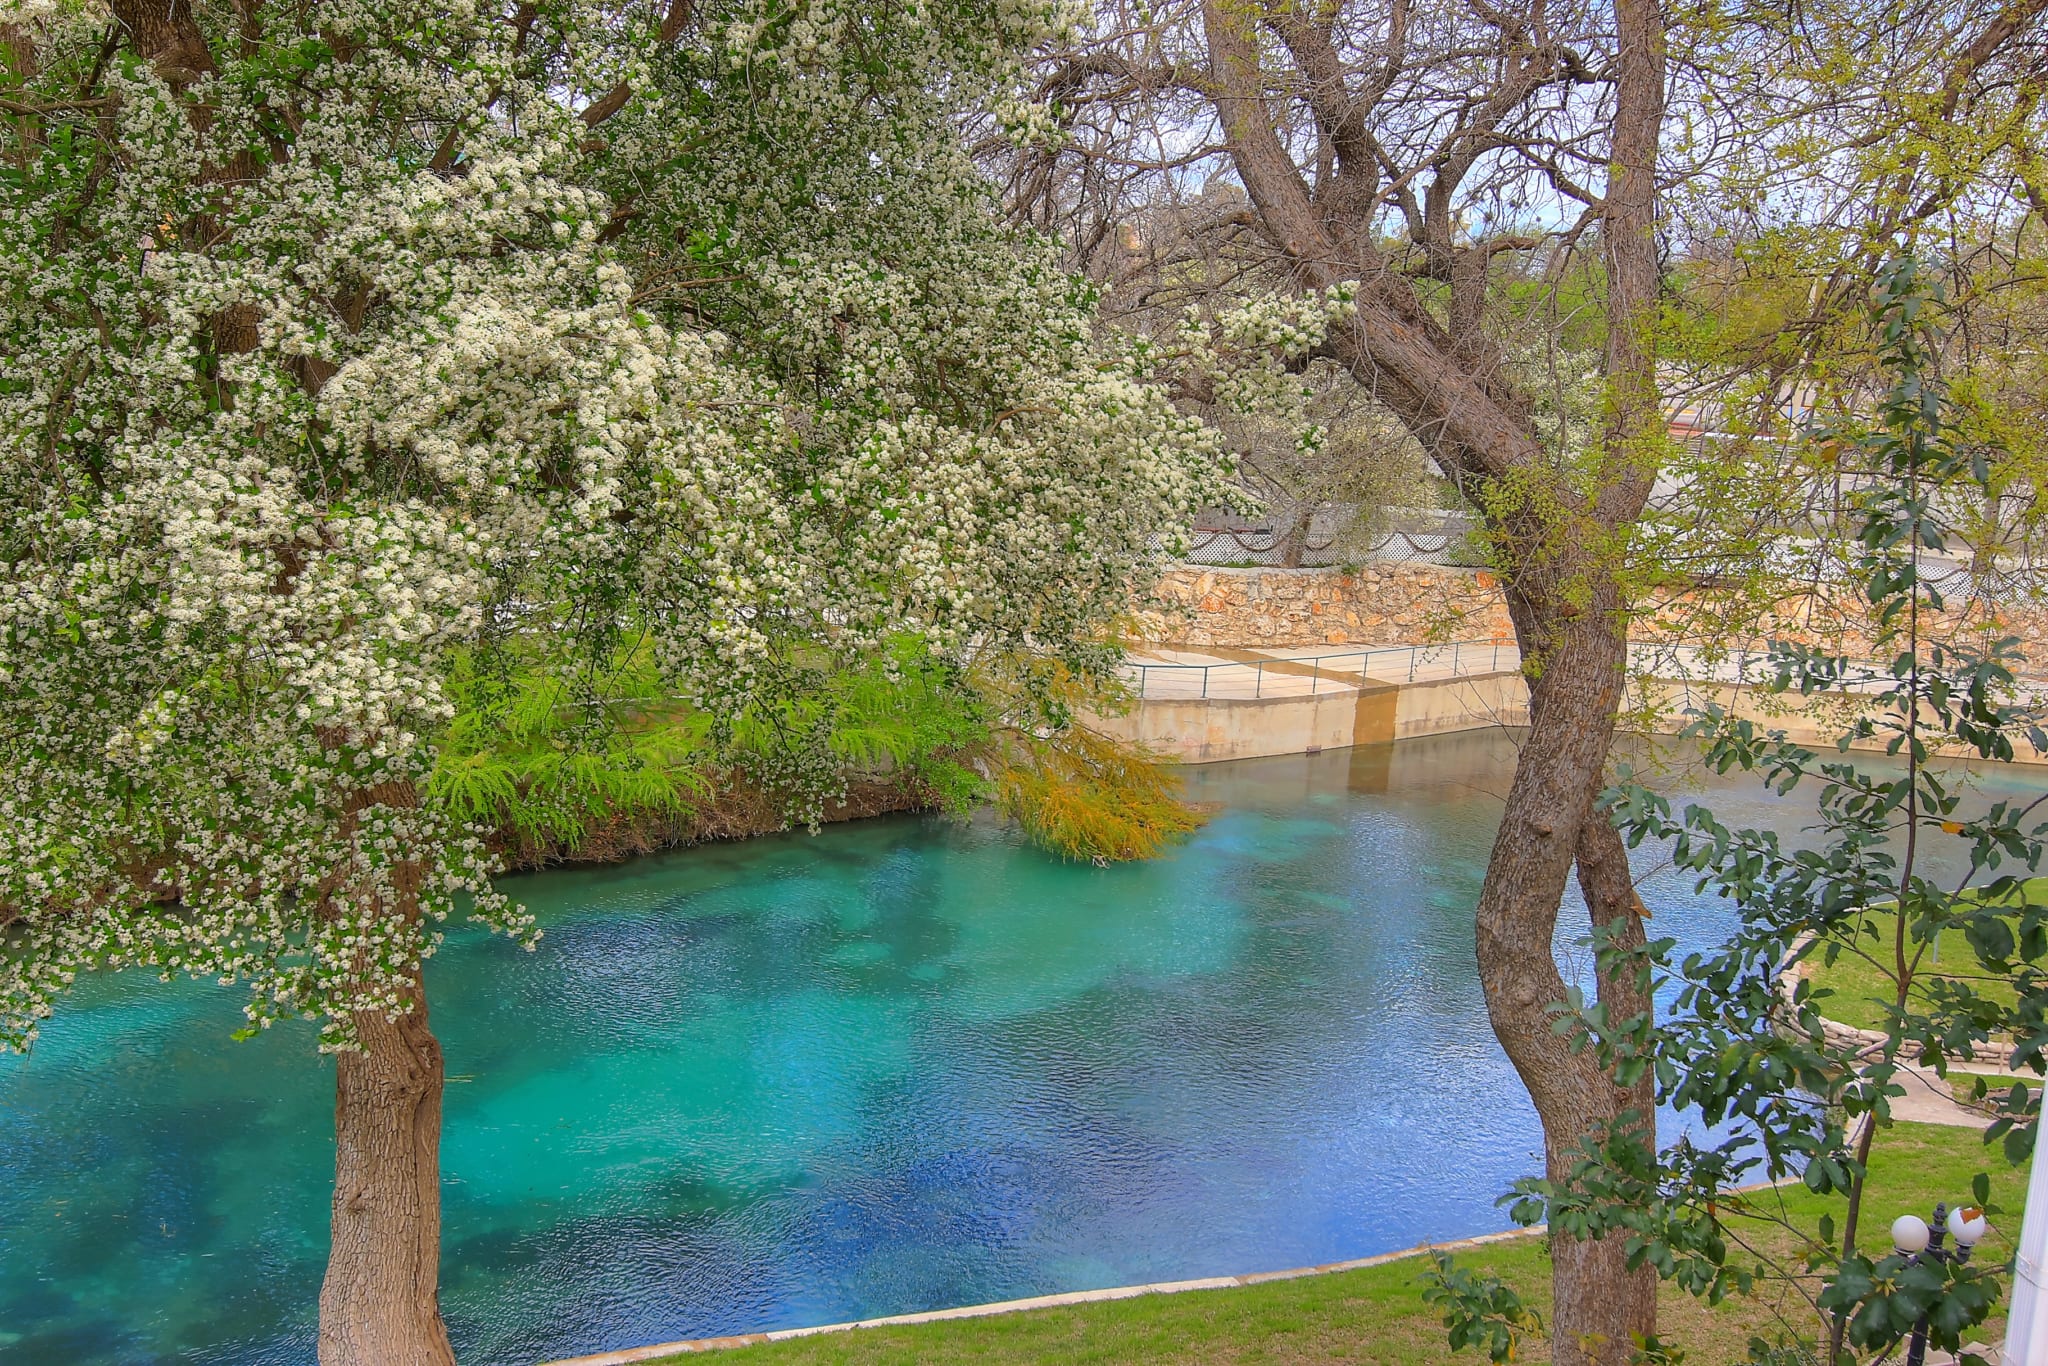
(1912, 1236)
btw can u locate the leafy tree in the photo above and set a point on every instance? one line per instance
(1394, 155)
(356, 345)
(1743, 1046)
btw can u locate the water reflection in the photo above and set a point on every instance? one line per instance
(897, 1065)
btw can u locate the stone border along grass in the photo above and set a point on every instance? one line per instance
(1864, 1042)
(625, 1356)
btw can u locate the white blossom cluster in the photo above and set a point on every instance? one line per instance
(955, 433)
(1246, 364)
(297, 402)
(1248, 353)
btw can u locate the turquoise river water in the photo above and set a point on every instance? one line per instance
(898, 1065)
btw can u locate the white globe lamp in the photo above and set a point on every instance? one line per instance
(1966, 1225)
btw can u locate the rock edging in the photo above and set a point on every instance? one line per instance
(1859, 1043)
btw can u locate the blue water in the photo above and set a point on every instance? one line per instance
(898, 1065)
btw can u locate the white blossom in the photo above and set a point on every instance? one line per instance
(461, 403)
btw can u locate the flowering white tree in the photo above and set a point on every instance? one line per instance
(342, 338)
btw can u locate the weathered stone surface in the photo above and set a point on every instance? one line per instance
(1391, 604)
(1410, 604)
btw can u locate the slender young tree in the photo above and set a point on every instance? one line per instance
(1746, 1046)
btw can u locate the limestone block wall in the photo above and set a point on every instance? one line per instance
(1382, 604)
(1410, 604)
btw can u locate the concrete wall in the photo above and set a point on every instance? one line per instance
(1195, 731)
(1816, 722)
(1472, 702)
(1202, 732)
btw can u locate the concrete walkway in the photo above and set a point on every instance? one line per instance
(1930, 1100)
(1167, 672)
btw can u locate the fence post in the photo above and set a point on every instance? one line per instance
(1259, 682)
(1205, 681)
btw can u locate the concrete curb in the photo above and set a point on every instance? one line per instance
(629, 1355)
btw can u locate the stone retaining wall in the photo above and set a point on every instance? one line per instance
(1383, 604)
(1412, 604)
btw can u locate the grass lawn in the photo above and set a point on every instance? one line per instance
(1963, 1086)
(1377, 1315)
(1863, 988)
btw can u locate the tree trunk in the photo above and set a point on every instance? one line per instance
(167, 35)
(1598, 1307)
(1444, 377)
(1627, 1302)
(380, 1305)
(1295, 543)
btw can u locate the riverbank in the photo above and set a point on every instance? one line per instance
(903, 1064)
(1371, 1313)
(730, 813)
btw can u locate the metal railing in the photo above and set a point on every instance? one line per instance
(1279, 676)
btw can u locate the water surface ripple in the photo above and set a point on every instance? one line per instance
(898, 1065)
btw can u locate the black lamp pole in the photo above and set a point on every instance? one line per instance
(1916, 1350)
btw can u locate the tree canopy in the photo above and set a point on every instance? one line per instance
(345, 338)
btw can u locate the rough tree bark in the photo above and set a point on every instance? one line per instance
(1294, 543)
(1607, 1322)
(380, 1304)
(1558, 534)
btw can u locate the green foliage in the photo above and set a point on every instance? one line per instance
(1480, 1311)
(1759, 1067)
(545, 761)
(903, 712)
(1782, 1351)
(527, 756)
(1083, 795)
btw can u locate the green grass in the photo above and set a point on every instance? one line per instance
(1376, 1317)
(1863, 988)
(1964, 1087)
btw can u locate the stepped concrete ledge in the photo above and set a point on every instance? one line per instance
(1207, 703)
